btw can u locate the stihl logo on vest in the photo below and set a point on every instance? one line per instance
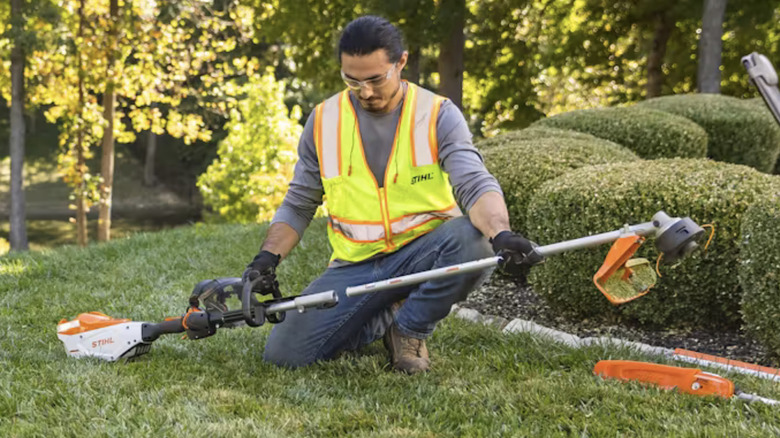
(418, 178)
(102, 342)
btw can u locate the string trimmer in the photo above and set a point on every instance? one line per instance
(620, 279)
(764, 77)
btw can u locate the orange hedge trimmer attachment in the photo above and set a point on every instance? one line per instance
(687, 380)
(620, 279)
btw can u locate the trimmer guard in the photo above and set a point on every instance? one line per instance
(621, 278)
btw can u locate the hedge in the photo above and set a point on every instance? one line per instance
(759, 271)
(761, 105)
(534, 133)
(701, 291)
(739, 131)
(521, 166)
(650, 134)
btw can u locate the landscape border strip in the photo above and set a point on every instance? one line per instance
(518, 325)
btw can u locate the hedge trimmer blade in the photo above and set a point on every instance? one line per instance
(686, 380)
(621, 278)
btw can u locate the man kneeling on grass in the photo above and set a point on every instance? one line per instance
(387, 154)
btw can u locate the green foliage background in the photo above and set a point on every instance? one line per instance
(247, 181)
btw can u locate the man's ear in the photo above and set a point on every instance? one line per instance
(402, 62)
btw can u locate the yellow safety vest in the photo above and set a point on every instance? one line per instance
(416, 197)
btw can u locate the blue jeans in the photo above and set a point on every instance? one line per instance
(304, 338)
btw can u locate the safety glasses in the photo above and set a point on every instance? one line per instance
(354, 84)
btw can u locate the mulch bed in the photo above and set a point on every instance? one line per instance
(507, 298)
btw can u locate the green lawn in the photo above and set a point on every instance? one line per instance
(483, 383)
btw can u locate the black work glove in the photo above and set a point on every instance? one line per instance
(517, 253)
(264, 265)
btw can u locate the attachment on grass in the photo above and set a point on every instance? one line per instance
(686, 380)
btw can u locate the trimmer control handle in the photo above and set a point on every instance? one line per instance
(254, 315)
(152, 331)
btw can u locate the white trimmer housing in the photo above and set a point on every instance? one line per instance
(98, 335)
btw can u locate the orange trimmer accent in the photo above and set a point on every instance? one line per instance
(86, 322)
(186, 316)
(619, 277)
(688, 380)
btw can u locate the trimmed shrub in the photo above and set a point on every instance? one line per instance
(759, 271)
(701, 291)
(761, 105)
(522, 166)
(650, 134)
(758, 102)
(534, 133)
(739, 131)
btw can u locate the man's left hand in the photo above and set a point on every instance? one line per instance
(516, 251)
(264, 266)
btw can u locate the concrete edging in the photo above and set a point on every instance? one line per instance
(518, 325)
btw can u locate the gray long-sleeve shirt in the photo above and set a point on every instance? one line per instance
(457, 156)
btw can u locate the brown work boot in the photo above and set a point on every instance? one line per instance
(406, 354)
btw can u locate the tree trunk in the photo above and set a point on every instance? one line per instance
(413, 65)
(107, 162)
(711, 46)
(451, 51)
(18, 235)
(107, 166)
(81, 202)
(655, 60)
(151, 150)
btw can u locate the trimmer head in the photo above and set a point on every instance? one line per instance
(676, 237)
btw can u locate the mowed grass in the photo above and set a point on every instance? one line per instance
(483, 383)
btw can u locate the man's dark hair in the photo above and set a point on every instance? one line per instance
(369, 33)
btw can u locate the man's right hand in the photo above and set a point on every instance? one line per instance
(264, 266)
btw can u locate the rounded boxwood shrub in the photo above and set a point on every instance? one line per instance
(700, 291)
(759, 271)
(523, 165)
(739, 131)
(534, 133)
(761, 105)
(650, 134)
